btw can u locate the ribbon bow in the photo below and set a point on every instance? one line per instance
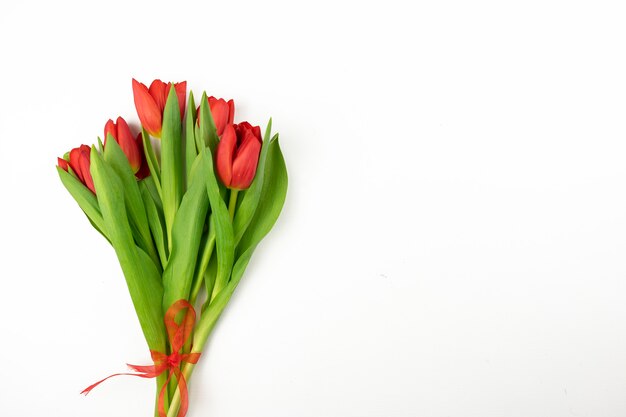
(178, 335)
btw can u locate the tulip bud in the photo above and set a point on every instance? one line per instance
(122, 135)
(80, 164)
(223, 113)
(62, 163)
(237, 155)
(151, 102)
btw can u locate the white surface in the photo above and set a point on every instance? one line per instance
(454, 238)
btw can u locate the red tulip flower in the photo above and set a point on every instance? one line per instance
(223, 113)
(150, 103)
(237, 155)
(80, 164)
(121, 133)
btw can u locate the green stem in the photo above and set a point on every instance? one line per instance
(152, 252)
(232, 206)
(233, 203)
(204, 262)
(210, 276)
(160, 380)
(175, 405)
(199, 279)
(200, 337)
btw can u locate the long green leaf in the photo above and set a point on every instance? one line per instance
(152, 160)
(86, 200)
(210, 274)
(171, 162)
(142, 277)
(186, 237)
(115, 157)
(270, 206)
(208, 131)
(190, 137)
(271, 201)
(155, 221)
(154, 193)
(207, 245)
(225, 241)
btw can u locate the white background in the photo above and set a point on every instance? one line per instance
(454, 237)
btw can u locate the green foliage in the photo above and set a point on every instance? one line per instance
(190, 137)
(271, 202)
(207, 133)
(152, 160)
(86, 200)
(172, 231)
(251, 198)
(115, 157)
(171, 162)
(142, 277)
(224, 239)
(186, 236)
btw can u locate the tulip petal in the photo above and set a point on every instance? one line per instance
(246, 160)
(181, 93)
(62, 163)
(128, 144)
(123, 131)
(149, 112)
(85, 156)
(257, 132)
(224, 155)
(158, 90)
(242, 128)
(75, 163)
(219, 111)
(110, 128)
(231, 111)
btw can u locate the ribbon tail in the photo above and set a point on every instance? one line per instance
(150, 371)
(161, 403)
(92, 386)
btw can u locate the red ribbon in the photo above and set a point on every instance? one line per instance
(178, 335)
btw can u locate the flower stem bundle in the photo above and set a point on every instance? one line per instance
(184, 203)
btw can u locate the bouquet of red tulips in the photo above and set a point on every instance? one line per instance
(183, 203)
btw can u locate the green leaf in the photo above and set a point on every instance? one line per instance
(207, 245)
(213, 310)
(190, 138)
(225, 241)
(250, 201)
(171, 162)
(98, 229)
(196, 169)
(142, 277)
(86, 200)
(208, 131)
(154, 193)
(199, 142)
(271, 201)
(152, 160)
(155, 220)
(186, 236)
(114, 155)
(269, 208)
(210, 274)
